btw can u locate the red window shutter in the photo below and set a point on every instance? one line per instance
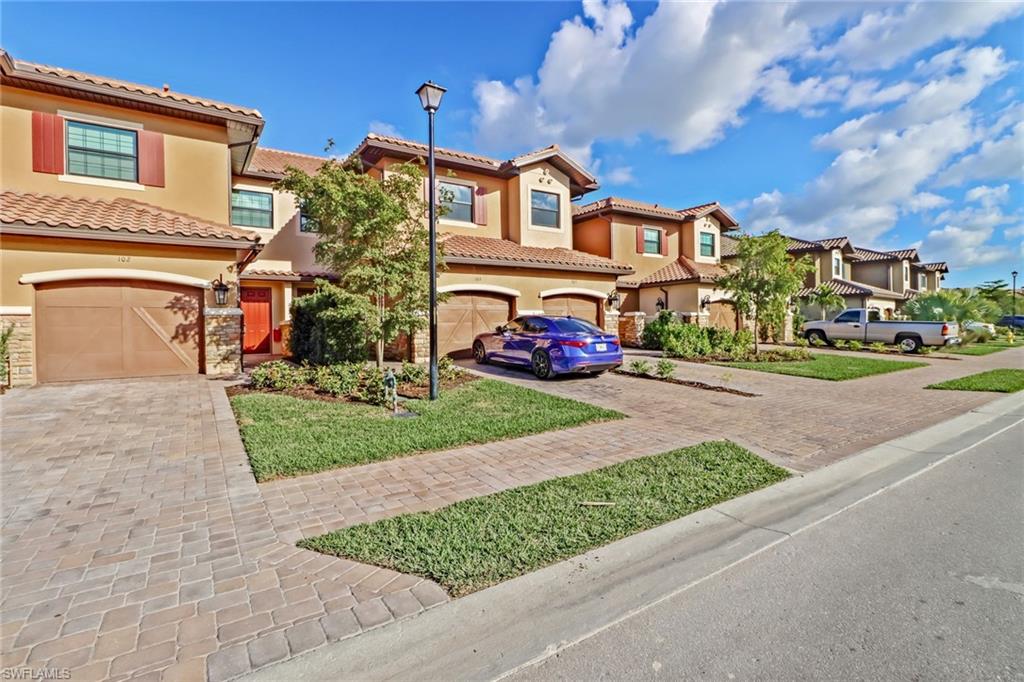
(639, 238)
(480, 206)
(664, 242)
(47, 143)
(151, 158)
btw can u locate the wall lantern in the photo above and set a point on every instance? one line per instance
(220, 291)
(659, 304)
(705, 302)
(614, 300)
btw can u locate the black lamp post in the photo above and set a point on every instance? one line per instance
(430, 94)
(1013, 298)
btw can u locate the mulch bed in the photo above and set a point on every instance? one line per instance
(411, 391)
(692, 384)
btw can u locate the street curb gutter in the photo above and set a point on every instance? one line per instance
(491, 633)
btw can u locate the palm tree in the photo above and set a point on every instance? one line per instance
(952, 304)
(825, 297)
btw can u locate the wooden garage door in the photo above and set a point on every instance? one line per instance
(723, 314)
(583, 307)
(464, 315)
(111, 329)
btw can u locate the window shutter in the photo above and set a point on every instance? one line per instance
(480, 206)
(426, 188)
(639, 238)
(664, 242)
(151, 158)
(47, 143)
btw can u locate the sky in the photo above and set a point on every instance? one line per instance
(895, 124)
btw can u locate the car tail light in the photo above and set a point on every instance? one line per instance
(574, 344)
(945, 330)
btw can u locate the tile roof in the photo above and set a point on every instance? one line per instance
(269, 161)
(657, 211)
(264, 273)
(872, 256)
(464, 248)
(680, 270)
(423, 149)
(730, 246)
(845, 287)
(934, 267)
(113, 215)
(80, 77)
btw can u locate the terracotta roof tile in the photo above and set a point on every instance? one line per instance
(934, 267)
(422, 148)
(845, 287)
(730, 246)
(871, 255)
(134, 88)
(113, 215)
(468, 248)
(657, 211)
(265, 273)
(275, 161)
(681, 270)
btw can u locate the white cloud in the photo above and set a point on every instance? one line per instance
(780, 93)
(995, 159)
(384, 128)
(887, 36)
(988, 196)
(622, 175)
(1014, 232)
(963, 247)
(926, 201)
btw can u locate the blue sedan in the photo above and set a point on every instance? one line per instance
(550, 345)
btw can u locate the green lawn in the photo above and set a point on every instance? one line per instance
(986, 348)
(287, 436)
(485, 540)
(829, 367)
(997, 380)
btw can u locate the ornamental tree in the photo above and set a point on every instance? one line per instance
(764, 280)
(826, 298)
(373, 235)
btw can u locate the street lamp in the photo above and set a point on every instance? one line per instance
(430, 94)
(1013, 299)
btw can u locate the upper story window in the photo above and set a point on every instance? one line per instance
(102, 152)
(837, 265)
(544, 208)
(906, 272)
(652, 240)
(457, 200)
(306, 223)
(252, 209)
(707, 244)
(922, 281)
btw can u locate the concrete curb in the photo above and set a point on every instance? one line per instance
(496, 631)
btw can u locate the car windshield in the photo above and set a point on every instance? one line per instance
(570, 325)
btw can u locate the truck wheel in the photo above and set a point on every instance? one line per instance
(909, 344)
(816, 335)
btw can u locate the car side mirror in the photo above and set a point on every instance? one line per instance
(500, 329)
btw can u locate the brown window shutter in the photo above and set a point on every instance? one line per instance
(664, 243)
(426, 188)
(639, 238)
(47, 143)
(480, 206)
(151, 158)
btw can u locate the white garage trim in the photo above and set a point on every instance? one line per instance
(577, 291)
(486, 288)
(113, 273)
(15, 310)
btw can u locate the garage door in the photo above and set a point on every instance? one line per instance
(464, 315)
(583, 307)
(723, 314)
(111, 329)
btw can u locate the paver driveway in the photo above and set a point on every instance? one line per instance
(136, 542)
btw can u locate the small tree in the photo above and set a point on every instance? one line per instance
(826, 298)
(373, 235)
(764, 279)
(951, 305)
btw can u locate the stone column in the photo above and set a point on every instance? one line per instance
(631, 328)
(611, 321)
(19, 345)
(223, 341)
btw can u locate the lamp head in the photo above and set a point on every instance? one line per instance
(430, 94)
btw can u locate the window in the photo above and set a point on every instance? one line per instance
(544, 209)
(306, 224)
(837, 266)
(652, 240)
(102, 152)
(707, 244)
(515, 326)
(922, 281)
(848, 316)
(572, 325)
(906, 272)
(252, 209)
(874, 315)
(535, 325)
(457, 200)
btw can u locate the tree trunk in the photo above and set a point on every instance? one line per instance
(378, 349)
(379, 345)
(757, 331)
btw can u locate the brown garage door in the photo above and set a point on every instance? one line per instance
(583, 307)
(464, 315)
(111, 329)
(723, 314)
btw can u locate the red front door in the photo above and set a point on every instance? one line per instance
(256, 314)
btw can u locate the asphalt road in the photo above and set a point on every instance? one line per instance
(922, 581)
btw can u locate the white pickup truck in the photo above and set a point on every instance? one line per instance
(867, 326)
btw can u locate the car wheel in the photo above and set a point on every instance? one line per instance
(479, 354)
(541, 365)
(815, 334)
(909, 344)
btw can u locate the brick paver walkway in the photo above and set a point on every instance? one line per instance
(137, 544)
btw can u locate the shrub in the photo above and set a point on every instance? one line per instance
(447, 370)
(839, 344)
(665, 369)
(856, 345)
(327, 327)
(743, 341)
(657, 330)
(373, 390)
(640, 367)
(688, 341)
(277, 376)
(340, 379)
(800, 342)
(817, 342)
(926, 350)
(879, 347)
(413, 374)
(5, 338)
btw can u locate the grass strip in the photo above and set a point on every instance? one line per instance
(995, 380)
(829, 367)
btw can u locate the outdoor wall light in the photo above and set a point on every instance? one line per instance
(705, 302)
(614, 300)
(430, 96)
(660, 303)
(220, 291)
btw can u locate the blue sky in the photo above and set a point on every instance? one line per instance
(892, 124)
